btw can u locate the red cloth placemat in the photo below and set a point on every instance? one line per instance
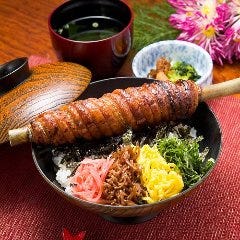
(30, 210)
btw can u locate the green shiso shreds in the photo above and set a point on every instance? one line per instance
(185, 154)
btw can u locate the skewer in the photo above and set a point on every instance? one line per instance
(22, 135)
(220, 89)
(19, 135)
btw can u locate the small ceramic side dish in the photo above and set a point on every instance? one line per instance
(174, 51)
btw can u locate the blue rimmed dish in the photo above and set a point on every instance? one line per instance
(174, 50)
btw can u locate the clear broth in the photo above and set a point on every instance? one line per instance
(91, 28)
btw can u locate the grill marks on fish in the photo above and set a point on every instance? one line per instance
(124, 110)
(81, 126)
(117, 122)
(114, 112)
(143, 102)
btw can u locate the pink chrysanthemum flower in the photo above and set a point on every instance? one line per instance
(232, 42)
(232, 32)
(204, 23)
(235, 11)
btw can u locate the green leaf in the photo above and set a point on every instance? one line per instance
(151, 24)
(185, 154)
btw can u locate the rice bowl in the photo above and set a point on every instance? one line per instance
(203, 121)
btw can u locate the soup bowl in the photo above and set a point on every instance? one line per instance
(96, 34)
(203, 120)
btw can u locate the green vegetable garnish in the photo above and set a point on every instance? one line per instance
(185, 154)
(184, 71)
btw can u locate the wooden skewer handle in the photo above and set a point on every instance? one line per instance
(220, 89)
(19, 135)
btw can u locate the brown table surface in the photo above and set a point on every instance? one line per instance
(24, 32)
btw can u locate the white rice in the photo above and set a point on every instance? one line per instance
(57, 159)
(193, 133)
(62, 176)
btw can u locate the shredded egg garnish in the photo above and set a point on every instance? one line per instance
(161, 179)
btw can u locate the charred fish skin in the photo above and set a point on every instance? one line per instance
(114, 112)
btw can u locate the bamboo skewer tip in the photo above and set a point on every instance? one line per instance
(19, 136)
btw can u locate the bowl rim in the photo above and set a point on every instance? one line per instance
(18, 73)
(130, 23)
(113, 208)
(196, 47)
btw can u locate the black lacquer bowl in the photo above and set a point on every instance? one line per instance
(13, 73)
(203, 120)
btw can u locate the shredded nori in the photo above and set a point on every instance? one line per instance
(77, 151)
(80, 149)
